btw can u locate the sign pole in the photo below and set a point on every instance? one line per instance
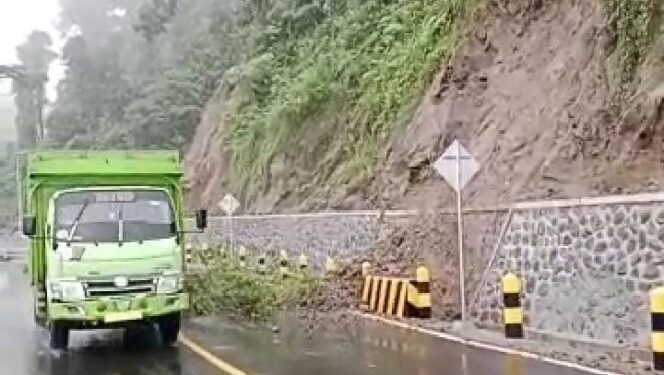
(457, 166)
(229, 205)
(462, 283)
(230, 223)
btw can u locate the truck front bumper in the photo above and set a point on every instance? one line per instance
(116, 310)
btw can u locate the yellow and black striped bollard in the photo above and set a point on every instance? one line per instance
(283, 264)
(512, 314)
(366, 268)
(262, 268)
(303, 262)
(188, 247)
(423, 286)
(657, 316)
(331, 266)
(242, 255)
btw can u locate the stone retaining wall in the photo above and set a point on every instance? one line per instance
(315, 235)
(586, 270)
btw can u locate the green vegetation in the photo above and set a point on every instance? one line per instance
(225, 287)
(369, 59)
(633, 22)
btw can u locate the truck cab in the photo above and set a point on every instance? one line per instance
(106, 249)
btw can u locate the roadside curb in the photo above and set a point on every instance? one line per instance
(481, 345)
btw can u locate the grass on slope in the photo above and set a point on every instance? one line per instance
(371, 59)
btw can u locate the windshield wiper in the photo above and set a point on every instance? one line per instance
(120, 226)
(74, 225)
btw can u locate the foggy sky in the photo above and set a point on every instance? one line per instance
(17, 19)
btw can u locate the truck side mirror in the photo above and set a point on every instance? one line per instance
(29, 225)
(201, 219)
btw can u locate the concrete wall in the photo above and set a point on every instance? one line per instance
(586, 270)
(316, 235)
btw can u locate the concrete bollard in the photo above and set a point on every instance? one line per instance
(262, 268)
(419, 294)
(242, 256)
(283, 263)
(657, 318)
(302, 262)
(331, 266)
(187, 250)
(512, 313)
(206, 253)
(366, 268)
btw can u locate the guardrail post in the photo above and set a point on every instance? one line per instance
(513, 313)
(657, 317)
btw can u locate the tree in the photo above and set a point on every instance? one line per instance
(138, 72)
(29, 91)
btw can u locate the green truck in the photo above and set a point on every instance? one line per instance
(106, 239)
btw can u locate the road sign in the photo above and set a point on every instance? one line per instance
(457, 166)
(229, 204)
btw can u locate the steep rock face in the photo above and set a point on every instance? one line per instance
(530, 93)
(205, 162)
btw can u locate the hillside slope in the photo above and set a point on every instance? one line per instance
(555, 99)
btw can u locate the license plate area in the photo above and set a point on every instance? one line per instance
(114, 317)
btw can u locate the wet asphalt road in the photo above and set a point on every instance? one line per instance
(24, 347)
(365, 349)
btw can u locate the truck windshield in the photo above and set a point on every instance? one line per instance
(114, 216)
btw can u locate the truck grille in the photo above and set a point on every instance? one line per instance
(102, 288)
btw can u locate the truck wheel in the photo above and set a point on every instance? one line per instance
(59, 336)
(169, 327)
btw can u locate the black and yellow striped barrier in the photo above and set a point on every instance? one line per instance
(398, 296)
(512, 314)
(657, 316)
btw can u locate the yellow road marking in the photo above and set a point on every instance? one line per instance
(216, 362)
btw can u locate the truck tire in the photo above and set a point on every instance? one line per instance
(169, 328)
(59, 336)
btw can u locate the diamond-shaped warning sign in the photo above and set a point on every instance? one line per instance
(457, 166)
(229, 204)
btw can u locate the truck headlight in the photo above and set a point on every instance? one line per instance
(67, 291)
(169, 284)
